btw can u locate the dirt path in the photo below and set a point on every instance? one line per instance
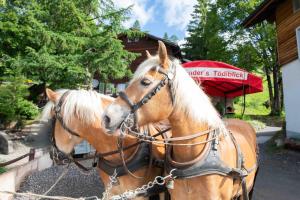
(279, 176)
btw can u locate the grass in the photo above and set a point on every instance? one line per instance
(256, 113)
(254, 103)
(2, 169)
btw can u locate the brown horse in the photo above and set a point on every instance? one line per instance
(81, 112)
(162, 89)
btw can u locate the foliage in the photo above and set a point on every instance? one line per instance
(2, 170)
(255, 103)
(172, 38)
(26, 109)
(63, 42)
(215, 33)
(13, 105)
(166, 36)
(205, 40)
(59, 44)
(136, 25)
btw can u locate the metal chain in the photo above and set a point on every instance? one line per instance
(158, 180)
(112, 181)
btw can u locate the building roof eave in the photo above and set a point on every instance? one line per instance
(265, 11)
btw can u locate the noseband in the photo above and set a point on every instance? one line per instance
(131, 120)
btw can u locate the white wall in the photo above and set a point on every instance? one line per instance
(11, 180)
(291, 89)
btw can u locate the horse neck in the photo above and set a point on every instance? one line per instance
(104, 143)
(183, 125)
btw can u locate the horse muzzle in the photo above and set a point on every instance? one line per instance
(113, 117)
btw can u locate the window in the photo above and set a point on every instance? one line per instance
(132, 40)
(298, 40)
(296, 5)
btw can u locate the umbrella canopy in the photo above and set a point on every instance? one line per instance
(223, 80)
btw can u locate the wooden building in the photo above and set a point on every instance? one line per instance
(148, 42)
(286, 15)
(139, 45)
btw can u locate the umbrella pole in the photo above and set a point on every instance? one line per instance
(244, 101)
(225, 104)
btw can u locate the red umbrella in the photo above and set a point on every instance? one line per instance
(224, 80)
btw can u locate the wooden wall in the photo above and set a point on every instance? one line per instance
(286, 22)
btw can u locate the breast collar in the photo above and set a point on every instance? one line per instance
(209, 163)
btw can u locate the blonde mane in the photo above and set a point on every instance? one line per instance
(189, 97)
(85, 105)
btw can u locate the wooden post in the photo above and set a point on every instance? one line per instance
(31, 154)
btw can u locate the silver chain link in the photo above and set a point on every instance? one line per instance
(158, 180)
(112, 181)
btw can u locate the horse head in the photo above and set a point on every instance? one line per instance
(150, 81)
(76, 115)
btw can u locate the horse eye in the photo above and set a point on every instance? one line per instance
(146, 82)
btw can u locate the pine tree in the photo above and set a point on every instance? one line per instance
(166, 37)
(62, 43)
(204, 40)
(136, 25)
(174, 39)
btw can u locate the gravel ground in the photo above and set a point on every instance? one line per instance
(278, 179)
(73, 184)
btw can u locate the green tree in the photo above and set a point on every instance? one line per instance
(253, 48)
(173, 38)
(63, 43)
(215, 33)
(205, 40)
(166, 37)
(13, 105)
(136, 25)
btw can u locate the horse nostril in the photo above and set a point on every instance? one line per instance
(106, 120)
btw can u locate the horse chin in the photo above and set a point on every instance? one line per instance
(112, 131)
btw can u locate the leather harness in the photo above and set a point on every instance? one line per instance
(142, 156)
(210, 162)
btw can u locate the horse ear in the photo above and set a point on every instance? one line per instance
(148, 54)
(163, 55)
(52, 96)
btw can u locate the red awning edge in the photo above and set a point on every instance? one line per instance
(224, 80)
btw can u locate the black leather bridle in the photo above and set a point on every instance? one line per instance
(167, 80)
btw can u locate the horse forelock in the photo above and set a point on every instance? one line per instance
(189, 98)
(145, 67)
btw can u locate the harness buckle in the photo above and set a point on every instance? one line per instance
(170, 184)
(65, 161)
